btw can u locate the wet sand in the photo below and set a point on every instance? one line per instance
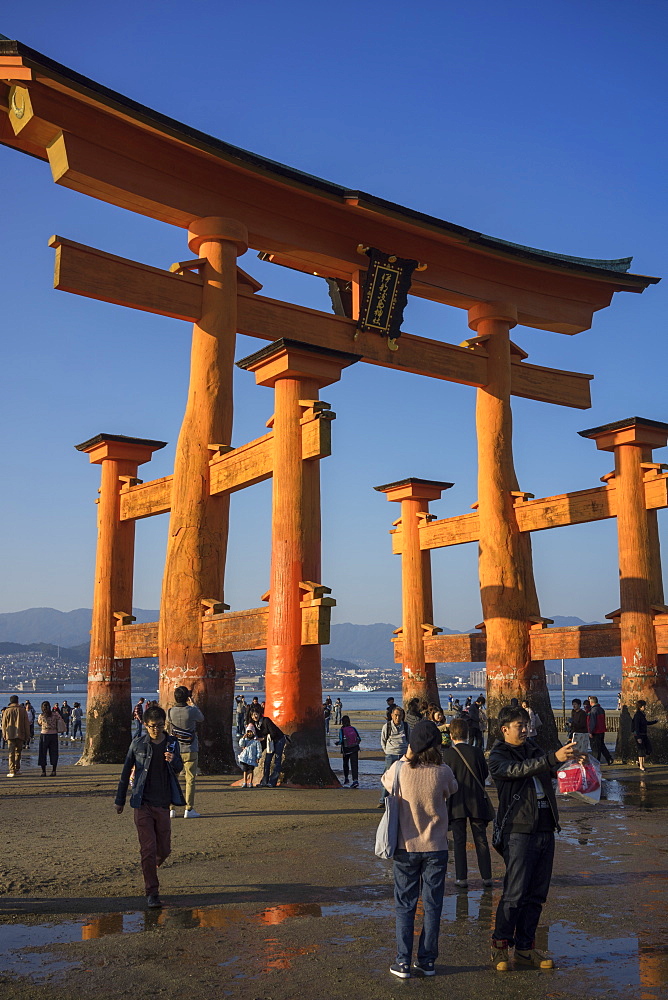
(276, 894)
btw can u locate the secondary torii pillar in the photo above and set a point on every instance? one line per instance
(507, 589)
(644, 672)
(198, 523)
(418, 677)
(293, 683)
(109, 708)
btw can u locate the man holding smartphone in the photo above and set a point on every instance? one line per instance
(528, 817)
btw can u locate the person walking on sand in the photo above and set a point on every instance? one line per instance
(138, 715)
(349, 740)
(338, 712)
(182, 721)
(528, 817)
(421, 857)
(639, 724)
(66, 714)
(156, 760)
(16, 733)
(241, 714)
(393, 743)
(30, 711)
(77, 716)
(597, 728)
(51, 726)
(469, 803)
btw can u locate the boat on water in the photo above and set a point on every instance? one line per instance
(363, 687)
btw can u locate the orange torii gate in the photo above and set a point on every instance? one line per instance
(104, 145)
(638, 631)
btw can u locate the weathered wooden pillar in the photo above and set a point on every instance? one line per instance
(507, 588)
(293, 684)
(644, 673)
(417, 609)
(198, 526)
(109, 708)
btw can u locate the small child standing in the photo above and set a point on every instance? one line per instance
(155, 760)
(251, 751)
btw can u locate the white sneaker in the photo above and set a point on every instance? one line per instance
(172, 813)
(191, 814)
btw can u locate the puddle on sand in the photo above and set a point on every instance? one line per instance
(627, 962)
(641, 794)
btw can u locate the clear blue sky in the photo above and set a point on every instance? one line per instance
(543, 124)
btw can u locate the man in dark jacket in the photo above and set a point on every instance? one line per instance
(268, 730)
(523, 772)
(469, 802)
(579, 732)
(155, 760)
(597, 727)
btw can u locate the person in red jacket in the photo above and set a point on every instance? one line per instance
(597, 728)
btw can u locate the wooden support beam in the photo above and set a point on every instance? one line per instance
(231, 632)
(86, 271)
(579, 507)
(579, 642)
(234, 470)
(95, 274)
(146, 499)
(136, 641)
(244, 466)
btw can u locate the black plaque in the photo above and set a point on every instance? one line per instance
(385, 293)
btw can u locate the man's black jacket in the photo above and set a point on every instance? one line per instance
(513, 769)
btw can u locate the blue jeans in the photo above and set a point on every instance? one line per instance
(273, 762)
(412, 871)
(389, 761)
(528, 858)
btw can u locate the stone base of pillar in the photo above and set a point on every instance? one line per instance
(108, 724)
(214, 696)
(306, 762)
(626, 749)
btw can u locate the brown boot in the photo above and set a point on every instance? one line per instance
(500, 958)
(531, 957)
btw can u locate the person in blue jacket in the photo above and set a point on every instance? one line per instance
(153, 761)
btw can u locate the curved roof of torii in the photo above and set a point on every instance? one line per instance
(104, 144)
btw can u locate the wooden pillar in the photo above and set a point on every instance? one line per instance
(507, 588)
(109, 706)
(418, 677)
(198, 526)
(644, 673)
(293, 684)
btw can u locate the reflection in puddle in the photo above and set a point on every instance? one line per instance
(629, 961)
(641, 794)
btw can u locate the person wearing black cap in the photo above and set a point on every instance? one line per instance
(421, 857)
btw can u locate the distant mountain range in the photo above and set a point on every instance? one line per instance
(361, 645)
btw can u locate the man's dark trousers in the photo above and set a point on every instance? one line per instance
(528, 858)
(598, 747)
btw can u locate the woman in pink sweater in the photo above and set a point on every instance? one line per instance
(425, 783)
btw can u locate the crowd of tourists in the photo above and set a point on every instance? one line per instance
(435, 780)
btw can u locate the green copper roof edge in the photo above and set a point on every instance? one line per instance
(603, 268)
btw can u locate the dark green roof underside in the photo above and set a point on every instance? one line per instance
(243, 156)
